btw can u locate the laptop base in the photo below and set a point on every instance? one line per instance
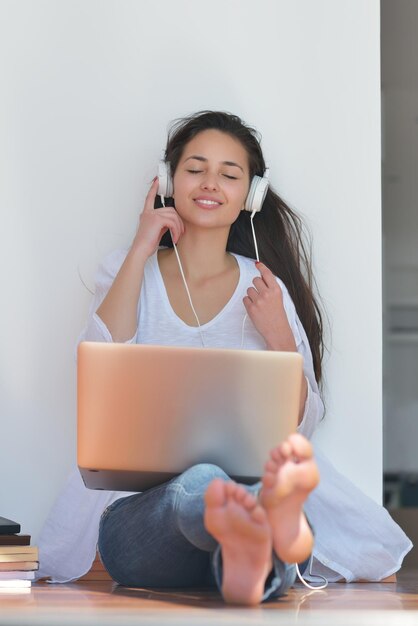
(126, 480)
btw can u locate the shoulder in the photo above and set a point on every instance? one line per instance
(110, 265)
(251, 269)
(113, 261)
(246, 265)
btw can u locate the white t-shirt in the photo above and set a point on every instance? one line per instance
(354, 537)
(159, 324)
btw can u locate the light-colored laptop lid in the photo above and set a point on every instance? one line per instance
(147, 413)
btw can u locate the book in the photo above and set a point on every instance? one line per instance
(26, 553)
(11, 559)
(16, 583)
(16, 590)
(20, 565)
(14, 540)
(29, 575)
(18, 560)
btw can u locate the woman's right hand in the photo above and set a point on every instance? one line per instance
(119, 309)
(153, 223)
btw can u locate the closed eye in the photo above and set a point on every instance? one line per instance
(200, 172)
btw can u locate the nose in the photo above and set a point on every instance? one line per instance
(209, 182)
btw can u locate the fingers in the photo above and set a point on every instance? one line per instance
(267, 275)
(262, 287)
(150, 198)
(259, 284)
(259, 288)
(167, 216)
(153, 224)
(252, 294)
(170, 220)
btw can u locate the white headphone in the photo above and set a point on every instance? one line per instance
(253, 203)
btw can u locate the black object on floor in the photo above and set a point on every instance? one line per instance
(8, 527)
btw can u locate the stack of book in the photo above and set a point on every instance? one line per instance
(18, 559)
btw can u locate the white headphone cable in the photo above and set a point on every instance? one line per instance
(187, 291)
(184, 281)
(317, 587)
(255, 240)
(258, 259)
(187, 288)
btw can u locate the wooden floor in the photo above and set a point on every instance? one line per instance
(365, 604)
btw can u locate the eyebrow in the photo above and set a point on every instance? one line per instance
(200, 158)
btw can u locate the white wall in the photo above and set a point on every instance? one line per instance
(88, 90)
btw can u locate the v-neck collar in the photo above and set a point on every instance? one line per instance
(173, 314)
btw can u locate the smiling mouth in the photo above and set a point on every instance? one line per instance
(207, 204)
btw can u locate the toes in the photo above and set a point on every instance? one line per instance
(301, 447)
(230, 488)
(215, 494)
(249, 501)
(220, 492)
(270, 466)
(275, 455)
(258, 515)
(240, 494)
(296, 447)
(280, 453)
(269, 480)
(285, 449)
(243, 497)
(235, 492)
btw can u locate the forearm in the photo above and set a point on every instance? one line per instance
(119, 308)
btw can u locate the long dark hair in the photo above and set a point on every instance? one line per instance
(280, 232)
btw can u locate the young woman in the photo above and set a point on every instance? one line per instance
(213, 158)
(202, 528)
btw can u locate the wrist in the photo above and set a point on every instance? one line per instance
(138, 253)
(281, 344)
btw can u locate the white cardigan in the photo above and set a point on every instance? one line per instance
(354, 537)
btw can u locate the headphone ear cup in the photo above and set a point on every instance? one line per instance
(256, 194)
(165, 182)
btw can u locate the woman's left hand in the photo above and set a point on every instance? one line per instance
(264, 305)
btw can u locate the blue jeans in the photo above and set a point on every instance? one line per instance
(157, 538)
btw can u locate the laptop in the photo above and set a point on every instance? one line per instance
(146, 413)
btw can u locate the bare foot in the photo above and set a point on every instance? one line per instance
(290, 475)
(236, 520)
